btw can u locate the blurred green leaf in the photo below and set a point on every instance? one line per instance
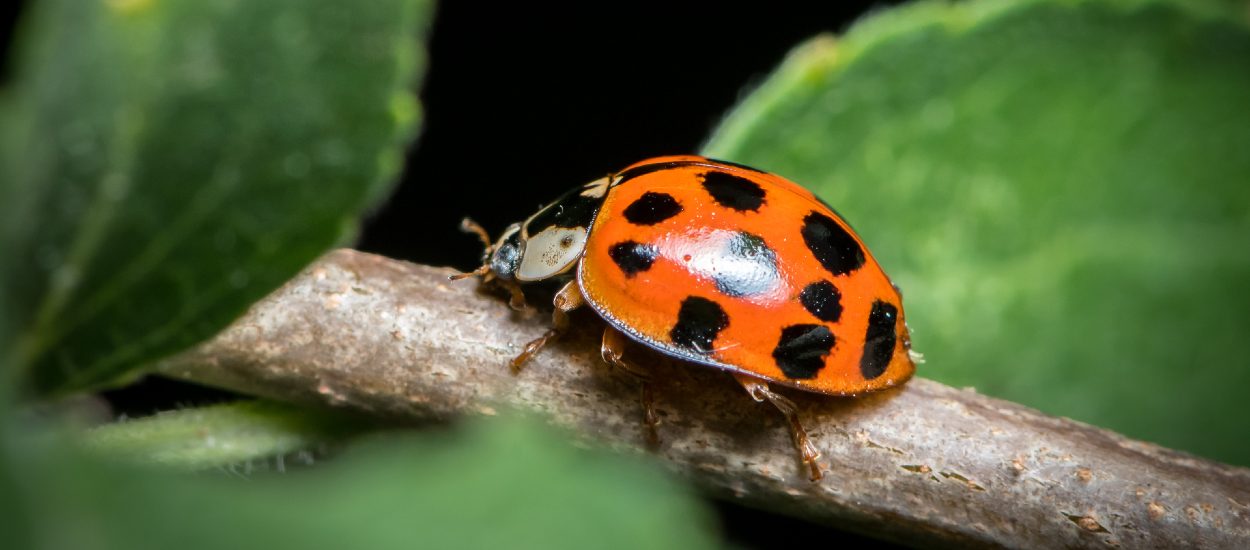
(169, 163)
(498, 484)
(1059, 187)
(221, 435)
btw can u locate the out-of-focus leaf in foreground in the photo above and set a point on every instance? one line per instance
(495, 485)
(168, 163)
(1060, 189)
(223, 434)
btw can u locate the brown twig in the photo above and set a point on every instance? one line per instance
(926, 464)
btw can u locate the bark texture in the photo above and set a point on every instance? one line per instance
(924, 464)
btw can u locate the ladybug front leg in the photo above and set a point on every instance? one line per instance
(613, 349)
(567, 299)
(516, 297)
(759, 391)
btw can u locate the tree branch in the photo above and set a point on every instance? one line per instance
(924, 464)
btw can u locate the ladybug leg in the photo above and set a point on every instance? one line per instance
(759, 391)
(567, 299)
(613, 349)
(516, 297)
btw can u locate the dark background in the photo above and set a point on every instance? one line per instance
(522, 103)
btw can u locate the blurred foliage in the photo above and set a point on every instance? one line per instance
(229, 433)
(1057, 185)
(1060, 189)
(494, 484)
(169, 163)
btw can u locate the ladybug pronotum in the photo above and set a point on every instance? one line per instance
(717, 264)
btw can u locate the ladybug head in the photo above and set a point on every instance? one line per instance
(546, 246)
(504, 257)
(501, 259)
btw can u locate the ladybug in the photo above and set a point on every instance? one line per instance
(717, 264)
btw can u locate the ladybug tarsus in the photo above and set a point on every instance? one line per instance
(516, 296)
(650, 420)
(759, 391)
(612, 350)
(566, 300)
(531, 348)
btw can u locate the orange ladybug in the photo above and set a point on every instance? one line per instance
(718, 264)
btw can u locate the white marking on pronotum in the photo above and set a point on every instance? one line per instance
(551, 252)
(596, 189)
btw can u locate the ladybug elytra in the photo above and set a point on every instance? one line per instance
(717, 264)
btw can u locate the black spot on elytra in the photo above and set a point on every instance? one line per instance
(632, 257)
(802, 350)
(698, 323)
(822, 300)
(652, 208)
(879, 341)
(749, 267)
(832, 246)
(732, 191)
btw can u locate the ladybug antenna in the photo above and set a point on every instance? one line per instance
(479, 272)
(467, 225)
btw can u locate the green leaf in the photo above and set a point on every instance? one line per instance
(221, 435)
(495, 485)
(169, 163)
(1060, 189)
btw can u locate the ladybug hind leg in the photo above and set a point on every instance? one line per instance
(759, 391)
(566, 300)
(613, 350)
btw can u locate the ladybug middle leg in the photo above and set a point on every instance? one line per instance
(759, 391)
(567, 299)
(613, 349)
